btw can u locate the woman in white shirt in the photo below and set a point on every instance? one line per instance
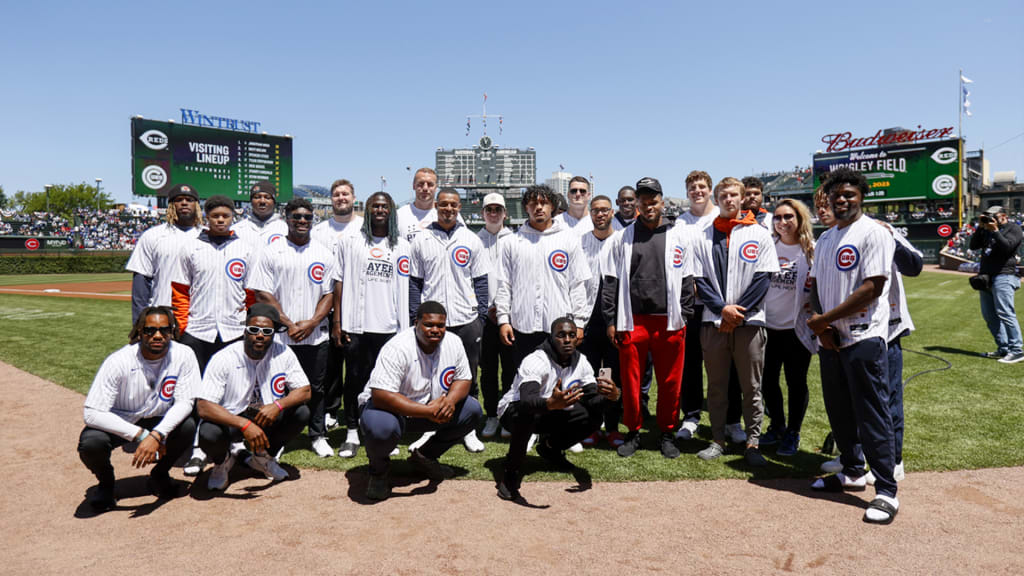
(790, 343)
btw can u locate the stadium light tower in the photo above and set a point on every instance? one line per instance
(98, 181)
(47, 188)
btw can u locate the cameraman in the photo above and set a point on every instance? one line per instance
(999, 239)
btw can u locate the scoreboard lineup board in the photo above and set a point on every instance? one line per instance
(486, 167)
(919, 171)
(211, 160)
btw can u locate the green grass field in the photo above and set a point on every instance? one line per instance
(964, 417)
(29, 279)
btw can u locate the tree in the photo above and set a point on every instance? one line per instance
(3, 198)
(64, 199)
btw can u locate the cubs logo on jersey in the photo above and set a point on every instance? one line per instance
(749, 251)
(574, 384)
(447, 377)
(558, 260)
(167, 385)
(403, 265)
(461, 256)
(279, 385)
(235, 269)
(316, 272)
(677, 257)
(274, 238)
(847, 257)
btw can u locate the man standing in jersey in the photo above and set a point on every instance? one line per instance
(329, 232)
(626, 202)
(294, 276)
(142, 393)
(448, 265)
(736, 257)
(849, 287)
(263, 225)
(595, 346)
(753, 198)
(371, 301)
(543, 275)
(420, 383)
(646, 295)
(491, 348)
(577, 217)
(156, 253)
(256, 391)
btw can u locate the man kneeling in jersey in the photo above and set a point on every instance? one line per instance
(254, 390)
(556, 395)
(142, 393)
(419, 384)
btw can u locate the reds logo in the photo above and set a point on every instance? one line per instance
(235, 269)
(316, 272)
(167, 388)
(461, 256)
(749, 251)
(278, 386)
(847, 257)
(945, 230)
(677, 257)
(32, 244)
(403, 265)
(447, 377)
(558, 260)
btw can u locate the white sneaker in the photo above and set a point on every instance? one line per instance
(490, 427)
(322, 448)
(473, 444)
(576, 448)
(330, 421)
(869, 478)
(395, 452)
(423, 440)
(897, 472)
(236, 448)
(505, 434)
(736, 433)
(833, 466)
(218, 479)
(687, 430)
(530, 443)
(269, 467)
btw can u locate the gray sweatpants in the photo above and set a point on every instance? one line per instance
(744, 349)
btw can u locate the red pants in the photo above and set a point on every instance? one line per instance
(667, 347)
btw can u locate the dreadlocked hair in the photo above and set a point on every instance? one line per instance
(172, 216)
(392, 219)
(136, 334)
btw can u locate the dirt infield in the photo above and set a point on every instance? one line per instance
(319, 523)
(97, 290)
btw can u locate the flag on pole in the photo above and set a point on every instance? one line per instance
(966, 80)
(966, 103)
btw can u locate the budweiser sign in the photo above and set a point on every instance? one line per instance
(845, 140)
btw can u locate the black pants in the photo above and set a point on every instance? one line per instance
(491, 351)
(216, 439)
(470, 334)
(563, 428)
(204, 350)
(600, 352)
(334, 378)
(360, 356)
(313, 359)
(526, 343)
(95, 447)
(691, 397)
(784, 351)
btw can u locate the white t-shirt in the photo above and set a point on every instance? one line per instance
(156, 256)
(538, 367)
(781, 304)
(380, 314)
(404, 368)
(236, 381)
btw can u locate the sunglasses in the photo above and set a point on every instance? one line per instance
(254, 330)
(601, 210)
(306, 217)
(494, 209)
(152, 330)
(577, 192)
(786, 217)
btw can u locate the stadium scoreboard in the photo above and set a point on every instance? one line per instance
(212, 160)
(485, 166)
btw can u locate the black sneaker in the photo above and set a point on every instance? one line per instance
(555, 457)
(770, 438)
(754, 458)
(998, 354)
(103, 499)
(163, 487)
(631, 444)
(668, 446)
(194, 466)
(430, 468)
(508, 488)
(378, 488)
(1012, 358)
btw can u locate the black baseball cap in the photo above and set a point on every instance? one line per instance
(266, 311)
(182, 190)
(647, 185)
(263, 186)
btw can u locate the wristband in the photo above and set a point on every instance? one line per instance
(142, 435)
(279, 407)
(247, 422)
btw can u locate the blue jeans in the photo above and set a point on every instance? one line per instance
(998, 310)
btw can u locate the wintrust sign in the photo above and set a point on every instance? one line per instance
(195, 118)
(845, 140)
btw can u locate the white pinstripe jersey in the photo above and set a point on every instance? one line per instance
(448, 265)
(330, 231)
(236, 381)
(132, 388)
(404, 368)
(259, 233)
(899, 312)
(538, 367)
(698, 224)
(542, 278)
(298, 276)
(578, 225)
(493, 251)
(216, 276)
(596, 251)
(843, 259)
(156, 256)
(751, 250)
(411, 220)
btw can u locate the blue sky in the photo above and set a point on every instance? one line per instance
(618, 90)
